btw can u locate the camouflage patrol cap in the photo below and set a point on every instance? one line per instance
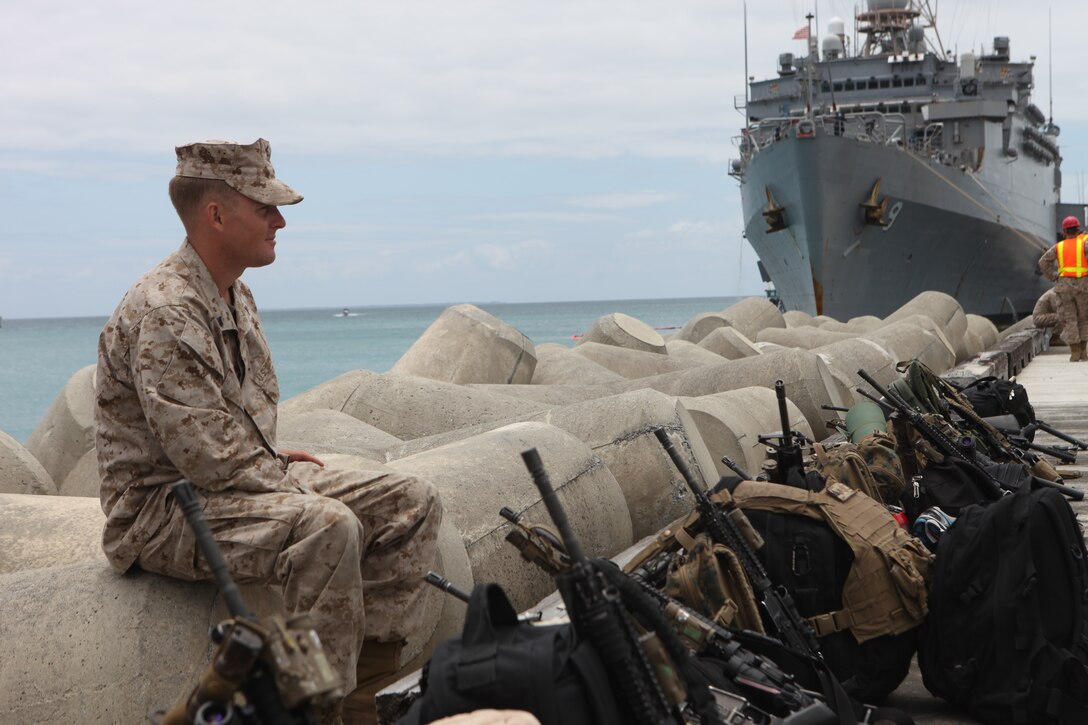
(246, 168)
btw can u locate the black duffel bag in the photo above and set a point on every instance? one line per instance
(500, 663)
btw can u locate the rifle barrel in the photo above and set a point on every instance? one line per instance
(185, 494)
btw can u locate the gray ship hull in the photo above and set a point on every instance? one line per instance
(975, 235)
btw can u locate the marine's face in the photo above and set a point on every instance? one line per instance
(252, 228)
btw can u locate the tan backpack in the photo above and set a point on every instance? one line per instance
(885, 589)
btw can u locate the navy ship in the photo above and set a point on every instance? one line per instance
(872, 173)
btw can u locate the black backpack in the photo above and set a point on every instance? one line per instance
(812, 562)
(953, 485)
(1005, 636)
(499, 662)
(991, 397)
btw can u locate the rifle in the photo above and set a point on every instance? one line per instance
(789, 468)
(440, 582)
(597, 614)
(728, 530)
(948, 447)
(279, 666)
(1030, 428)
(774, 690)
(1063, 454)
(736, 468)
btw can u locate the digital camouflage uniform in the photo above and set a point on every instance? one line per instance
(1045, 313)
(186, 389)
(1072, 293)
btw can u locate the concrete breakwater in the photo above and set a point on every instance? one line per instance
(89, 645)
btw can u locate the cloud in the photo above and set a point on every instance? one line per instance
(624, 200)
(492, 256)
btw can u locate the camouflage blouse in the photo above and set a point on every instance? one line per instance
(185, 389)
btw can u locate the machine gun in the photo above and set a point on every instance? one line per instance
(597, 614)
(278, 666)
(789, 459)
(949, 447)
(729, 530)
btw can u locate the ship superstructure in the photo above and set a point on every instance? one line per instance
(869, 176)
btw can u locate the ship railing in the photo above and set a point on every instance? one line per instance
(867, 126)
(930, 142)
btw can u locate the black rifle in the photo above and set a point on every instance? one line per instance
(789, 468)
(736, 468)
(279, 666)
(724, 529)
(1030, 428)
(949, 447)
(1064, 454)
(597, 614)
(437, 580)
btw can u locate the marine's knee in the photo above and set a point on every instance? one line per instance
(333, 523)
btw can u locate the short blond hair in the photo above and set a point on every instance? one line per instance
(187, 194)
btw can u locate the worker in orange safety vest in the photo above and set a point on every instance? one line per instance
(1066, 265)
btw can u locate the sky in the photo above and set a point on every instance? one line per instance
(449, 150)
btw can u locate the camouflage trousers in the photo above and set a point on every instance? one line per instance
(353, 554)
(1073, 308)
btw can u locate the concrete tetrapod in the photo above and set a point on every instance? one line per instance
(66, 431)
(942, 308)
(797, 318)
(753, 314)
(406, 406)
(84, 644)
(730, 343)
(468, 345)
(699, 326)
(631, 363)
(38, 532)
(557, 364)
(803, 337)
(917, 337)
(83, 480)
(478, 476)
(618, 429)
(809, 383)
(624, 331)
(984, 328)
(331, 431)
(690, 352)
(20, 471)
(845, 357)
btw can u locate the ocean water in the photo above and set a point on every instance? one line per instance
(309, 346)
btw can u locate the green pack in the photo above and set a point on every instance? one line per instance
(710, 579)
(871, 466)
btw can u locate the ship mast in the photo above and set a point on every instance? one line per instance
(886, 25)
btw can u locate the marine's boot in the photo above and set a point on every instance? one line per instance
(1082, 352)
(377, 668)
(1076, 351)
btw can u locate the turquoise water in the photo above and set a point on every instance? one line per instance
(309, 346)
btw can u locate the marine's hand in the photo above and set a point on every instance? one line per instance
(301, 456)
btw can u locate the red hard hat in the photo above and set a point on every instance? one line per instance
(1070, 222)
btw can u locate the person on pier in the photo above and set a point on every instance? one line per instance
(1066, 264)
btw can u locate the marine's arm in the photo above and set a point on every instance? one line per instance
(184, 387)
(1048, 264)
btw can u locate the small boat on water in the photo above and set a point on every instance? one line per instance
(871, 173)
(347, 313)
